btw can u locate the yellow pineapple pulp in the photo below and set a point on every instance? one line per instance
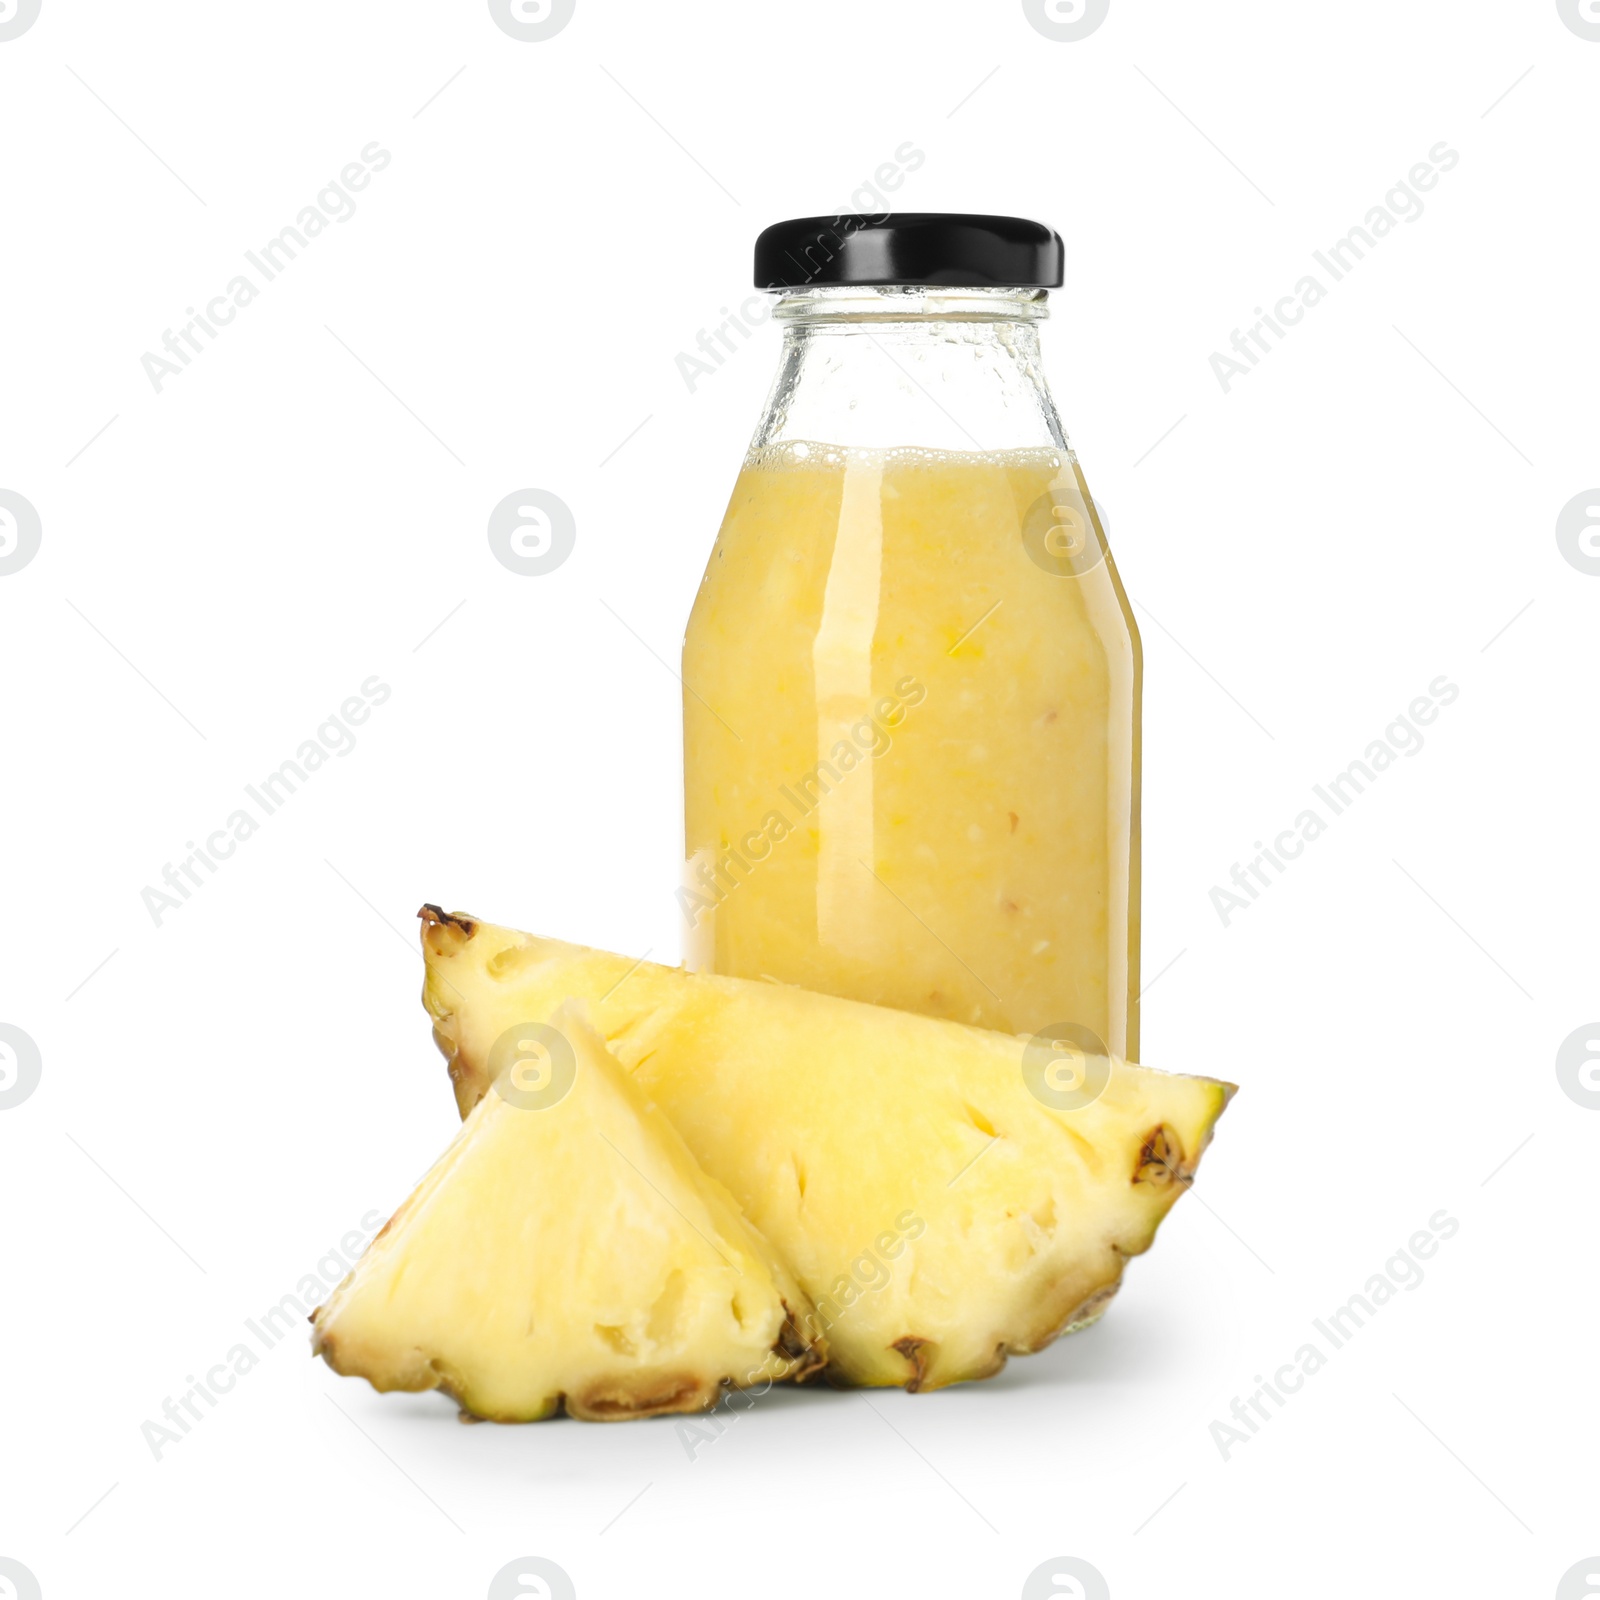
(566, 1250)
(945, 1195)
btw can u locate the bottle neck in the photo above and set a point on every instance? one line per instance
(949, 369)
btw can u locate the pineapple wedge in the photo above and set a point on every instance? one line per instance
(566, 1249)
(942, 1193)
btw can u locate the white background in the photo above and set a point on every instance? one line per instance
(306, 505)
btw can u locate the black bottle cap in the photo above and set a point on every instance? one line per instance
(911, 247)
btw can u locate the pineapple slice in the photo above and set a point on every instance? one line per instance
(567, 1249)
(945, 1195)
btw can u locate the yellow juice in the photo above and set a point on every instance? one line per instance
(911, 718)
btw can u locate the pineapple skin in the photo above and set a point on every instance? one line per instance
(535, 1270)
(938, 1212)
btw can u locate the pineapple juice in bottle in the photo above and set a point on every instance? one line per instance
(911, 675)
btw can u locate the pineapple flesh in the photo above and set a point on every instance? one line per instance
(567, 1250)
(944, 1194)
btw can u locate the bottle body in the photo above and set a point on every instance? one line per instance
(912, 688)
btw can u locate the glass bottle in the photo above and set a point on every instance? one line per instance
(911, 675)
